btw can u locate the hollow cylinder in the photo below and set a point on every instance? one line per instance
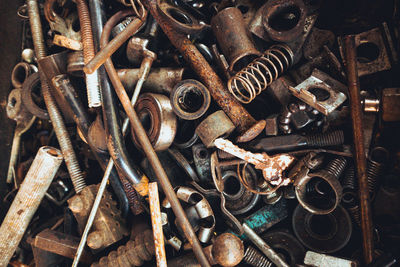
(233, 38)
(27, 200)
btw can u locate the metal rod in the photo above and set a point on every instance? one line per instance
(264, 247)
(157, 226)
(359, 149)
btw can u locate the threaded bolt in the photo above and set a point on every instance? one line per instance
(326, 139)
(255, 258)
(55, 115)
(133, 253)
(92, 80)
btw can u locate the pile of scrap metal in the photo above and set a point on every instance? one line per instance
(204, 132)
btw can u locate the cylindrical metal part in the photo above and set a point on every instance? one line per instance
(264, 247)
(359, 149)
(155, 113)
(156, 223)
(27, 200)
(20, 73)
(190, 99)
(160, 80)
(234, 38)
(254, 258)
(92, 79)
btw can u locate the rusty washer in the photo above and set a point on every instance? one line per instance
(214, 126)
(233, 38)
(190, 99)
(322, 233)
(158, 119)
(284, 20)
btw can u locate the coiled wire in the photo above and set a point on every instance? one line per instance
(254, 258)
(375, 167)
(251, 80)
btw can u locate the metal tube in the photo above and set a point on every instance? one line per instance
(359, 149)
(26, 202)
(267, 250)
(158, 234)
(149, 151)
(246, 124)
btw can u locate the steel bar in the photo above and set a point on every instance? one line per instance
(359, 149)
(158, 234)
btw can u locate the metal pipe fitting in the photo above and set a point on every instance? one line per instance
(234, 38)
(160, 80)
(32, 190)
(20, 73)
(190, 99)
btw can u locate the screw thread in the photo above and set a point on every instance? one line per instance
(326, 139)
(133, 253)
(255, 258)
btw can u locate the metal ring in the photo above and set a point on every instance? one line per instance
(319, 239)
(20, 73)
(184, 127)
(158, 119)
(32, 82)
(190, 99)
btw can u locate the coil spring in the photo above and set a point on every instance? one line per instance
(349, 181)
(355, 213)
(375, 164)
(336, 166)
(255, 258)
(255, 77)
(133, 253)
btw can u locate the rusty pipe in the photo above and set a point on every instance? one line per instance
(92, 79)
(359, 149)
(106, 51)
(147, 147)
(27, 200)
(246, 124)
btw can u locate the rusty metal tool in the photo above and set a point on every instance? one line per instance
(17, 111)
(359, 149)
(158, 234)
(247, 126)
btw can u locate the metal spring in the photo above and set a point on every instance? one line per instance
(255, 77)
(133, 253)
(355, 213)
(349, 181)
(336, 166)
(254, 258)
(375, 164)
